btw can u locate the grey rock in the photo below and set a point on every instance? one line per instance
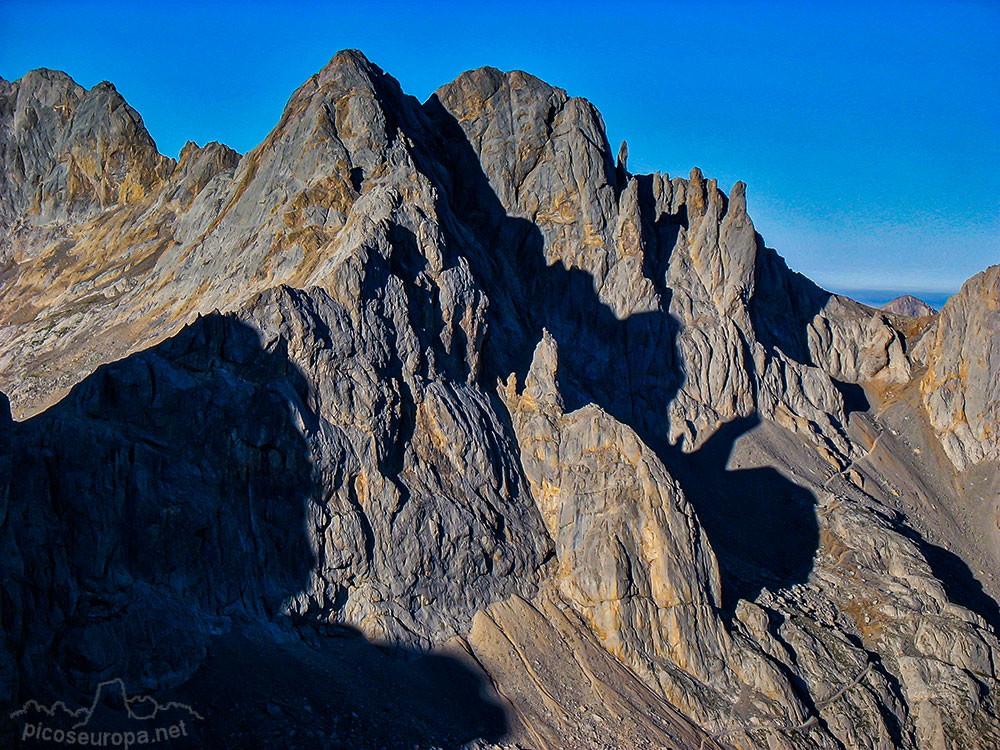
(449, 375)
(909, 306)
(961, 387)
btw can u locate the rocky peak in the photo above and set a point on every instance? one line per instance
(72, 150)
(544, 154)
(349, 105)
(475, 384)
(909, 306)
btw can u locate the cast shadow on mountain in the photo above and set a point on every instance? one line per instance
(956, 577)
(762, 526)
(853, 395)
(783, 305)
(329, 687)
(161, 514)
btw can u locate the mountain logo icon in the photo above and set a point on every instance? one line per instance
(113, 719)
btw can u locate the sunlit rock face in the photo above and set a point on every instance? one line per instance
(909, 306)
(449, 375)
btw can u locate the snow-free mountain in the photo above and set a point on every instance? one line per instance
(431, 424)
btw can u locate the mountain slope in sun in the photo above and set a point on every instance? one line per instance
(449, 375)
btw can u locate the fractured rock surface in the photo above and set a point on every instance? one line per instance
(449, 376)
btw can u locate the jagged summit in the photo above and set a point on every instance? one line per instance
(349, 68)
(448, 375)
(489, 80)
(69, 150)
(351, 56)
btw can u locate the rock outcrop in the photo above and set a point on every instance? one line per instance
(449, 375)
(962, 386)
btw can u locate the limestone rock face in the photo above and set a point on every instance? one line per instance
(909, 306)
(68, 150)
(449, 375)
(962, 386)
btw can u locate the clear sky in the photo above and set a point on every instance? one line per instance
(868, 133)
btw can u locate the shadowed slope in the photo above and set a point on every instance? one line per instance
(158, 521)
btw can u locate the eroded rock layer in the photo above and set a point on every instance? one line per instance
(448, 375)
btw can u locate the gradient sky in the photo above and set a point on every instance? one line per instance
(868, 133)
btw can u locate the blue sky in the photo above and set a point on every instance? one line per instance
(868, 133)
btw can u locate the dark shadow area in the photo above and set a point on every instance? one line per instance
(665, 230)
(762, 526)
(357, 177)
(332, 688)
(783, 305)
(160, 518)
(853, 395)
(955, 575)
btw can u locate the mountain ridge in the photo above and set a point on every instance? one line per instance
(521, 401)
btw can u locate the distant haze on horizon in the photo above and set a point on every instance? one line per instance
(867, 133)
